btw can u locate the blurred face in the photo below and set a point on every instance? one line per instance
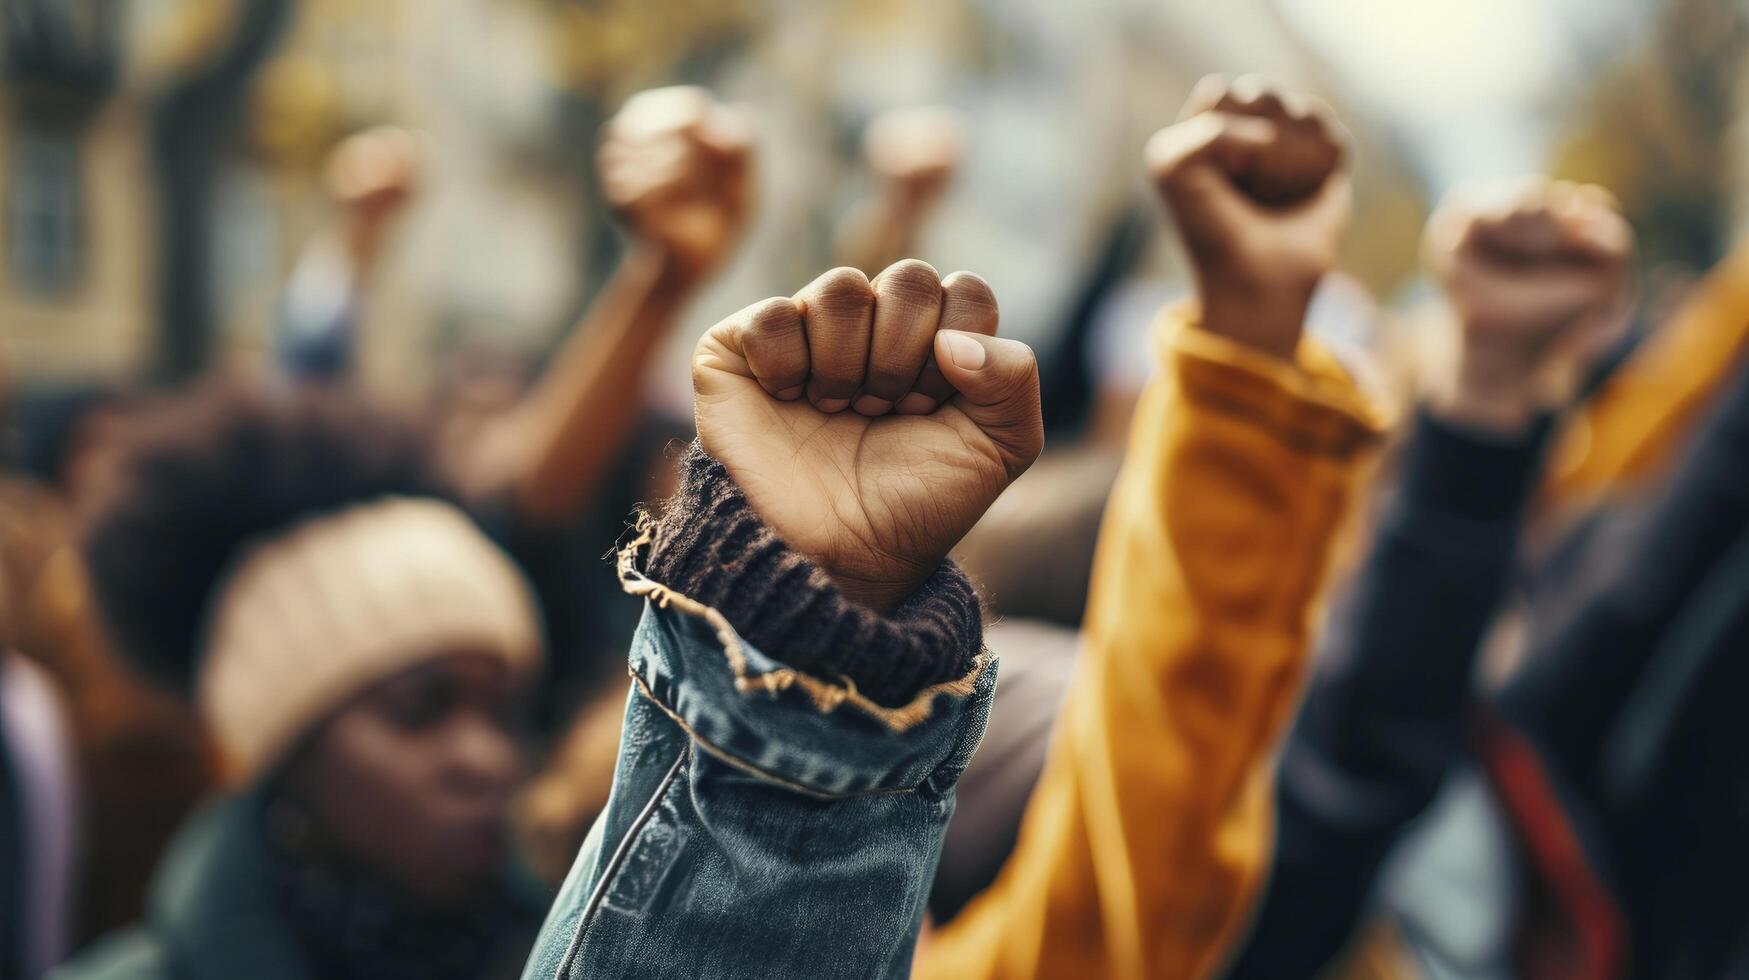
(412, 780)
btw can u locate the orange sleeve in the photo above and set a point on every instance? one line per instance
(1149, 834)
(1633, 427)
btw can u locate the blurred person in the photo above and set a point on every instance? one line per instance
(1629, 435)
(675, 167)
(541, 466)
(1147, 838)
(768, 820)
(1601, 820)
(141, 763)
(912, 154)
(1038, 664)
(809, 679)
(371, 176)
(1616, 749)
(357, 650)
(1536, 274)
(39, 812)
(39, 806)
(555, 472)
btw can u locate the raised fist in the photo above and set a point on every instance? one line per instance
(913, 153)
(372, 174)
(674, 165)
(1536, 271)
(871, 424)
(1253, 177)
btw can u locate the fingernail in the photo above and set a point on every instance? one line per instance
(871, 406)
(967, 354)
(829, 405)
(916, 403)
(791, 393)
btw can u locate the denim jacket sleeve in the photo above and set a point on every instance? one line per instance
(762, 822)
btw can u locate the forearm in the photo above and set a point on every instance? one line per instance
(877, 233)
(563, 440)
(1385, 716)
(1151, 818)
(777, 809)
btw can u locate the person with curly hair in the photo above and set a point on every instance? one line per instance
(357, 649)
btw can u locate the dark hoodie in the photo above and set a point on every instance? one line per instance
(1619, 755)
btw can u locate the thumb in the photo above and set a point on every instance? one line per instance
(997, 380)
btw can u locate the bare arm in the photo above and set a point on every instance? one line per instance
(674, 166)
(559, 444)
(912, 155)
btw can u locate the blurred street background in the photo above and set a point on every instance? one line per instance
(160, 159)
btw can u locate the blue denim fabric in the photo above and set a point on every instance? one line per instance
(773, 841)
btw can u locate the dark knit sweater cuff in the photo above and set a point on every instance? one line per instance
(711, 546)
(1470, 474)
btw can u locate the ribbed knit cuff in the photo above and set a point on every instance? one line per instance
(711, 546)
(1469, 474)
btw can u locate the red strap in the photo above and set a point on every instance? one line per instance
(1574, 929)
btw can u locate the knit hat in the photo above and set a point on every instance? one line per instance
(311, 617)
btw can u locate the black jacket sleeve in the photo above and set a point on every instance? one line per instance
(1384, 717)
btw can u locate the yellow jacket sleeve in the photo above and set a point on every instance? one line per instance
(1149, 833)
(1632, 429)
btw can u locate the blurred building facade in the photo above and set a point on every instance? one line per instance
(507, 239)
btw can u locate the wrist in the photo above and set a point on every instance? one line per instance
(1268, 318)
(1491, 390)
(1472, 474)
(880, 598)
(665, 267)
(712, 546)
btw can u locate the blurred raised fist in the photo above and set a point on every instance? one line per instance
(1536, 271)
(372, 174)
(871, 424)
(1253, 176)
(675, 165)
(913, 153)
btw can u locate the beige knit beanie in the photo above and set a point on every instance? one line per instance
(313, 616)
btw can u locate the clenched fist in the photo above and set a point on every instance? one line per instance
(372, 175)
(1253, 177)
(914, 152)
(675, 166)
(870, 423)
(1536, 272)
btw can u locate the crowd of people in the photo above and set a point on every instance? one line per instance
(299, 685)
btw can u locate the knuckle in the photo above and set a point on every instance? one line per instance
(1255, 91)
(913, 287)
(968, 289)
(970, 304)
(1269, 102)
(908, 303)
(775, 318)
(910, 275)
(843, 292)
